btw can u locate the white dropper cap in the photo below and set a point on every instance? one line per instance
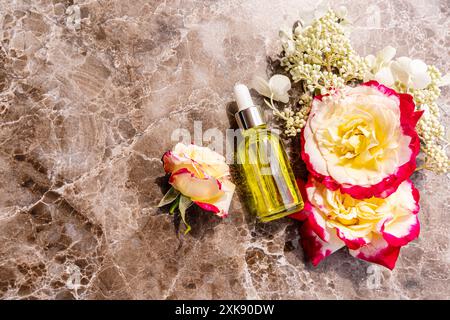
(249, 115)
(243, 97)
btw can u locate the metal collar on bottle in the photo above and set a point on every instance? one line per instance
(249, 117)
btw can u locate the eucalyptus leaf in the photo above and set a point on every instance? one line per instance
(169, 197)
(184, 204)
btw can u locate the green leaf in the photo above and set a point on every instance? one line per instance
(169, 197)
(184, 204)
(174, 205)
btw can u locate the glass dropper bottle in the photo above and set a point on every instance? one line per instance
(265, 166)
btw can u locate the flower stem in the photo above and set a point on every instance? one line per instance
(174, 205)
(274, 109)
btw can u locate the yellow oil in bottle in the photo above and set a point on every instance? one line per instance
(271, 184)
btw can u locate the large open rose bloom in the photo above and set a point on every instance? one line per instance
(373, 229)
(201, 175)
(362, 140)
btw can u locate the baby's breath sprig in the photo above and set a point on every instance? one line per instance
(431, 131)
(321, 57)
(295, 121)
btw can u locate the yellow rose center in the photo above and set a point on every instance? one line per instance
(355, 141)
(349, 211)
(354, 138)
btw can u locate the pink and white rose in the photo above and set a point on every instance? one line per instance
(362, 140)
(373, 229)
(202, 175)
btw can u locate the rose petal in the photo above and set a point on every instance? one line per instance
(378, 251)
(331, 175)
(198, 189)
(221, 205)
(404, 228)
(199, 160)
(401, 230)
(317, 223)
(207, 206)
(316, 218)
(307, 208)
(353, 239)
(173, 162)
(224, 202)
(315, 248)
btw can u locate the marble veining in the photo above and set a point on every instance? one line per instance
(90, 92)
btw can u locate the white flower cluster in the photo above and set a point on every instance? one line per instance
(429, 127)
(296, 120)
(321, 55)
(413, 76)
(322, 59)
(276, 89)
(411, 73)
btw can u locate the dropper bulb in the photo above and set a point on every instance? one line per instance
(243, 97)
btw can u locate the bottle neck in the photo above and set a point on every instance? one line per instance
(260, 127)
(250, 117)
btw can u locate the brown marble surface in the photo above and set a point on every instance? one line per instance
(89, 97)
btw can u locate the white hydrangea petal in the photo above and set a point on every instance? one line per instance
(285, 34)
(280, 85)
(385, 77)
(386, 54)
(426, 110)
(289, 47)
(284, 98)
(319, 11)
(400, 72)
(341, 12)
(418, 66)
(420, 80)
(298, 29)
(368, 76)
(445, 80)
(262, 86)
(370, 59)
(404, 63)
